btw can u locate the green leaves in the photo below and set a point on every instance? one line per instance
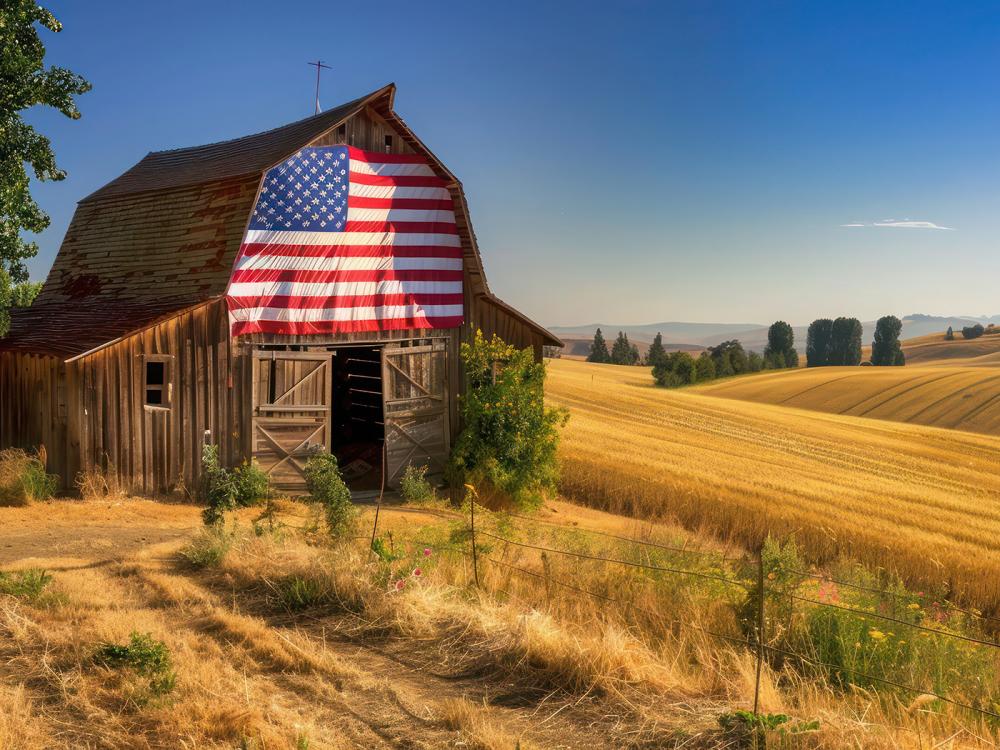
(25, 83)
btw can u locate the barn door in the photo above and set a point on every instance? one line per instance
(291, 413)
(415, 397)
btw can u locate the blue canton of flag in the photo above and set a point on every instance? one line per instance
(306, 193)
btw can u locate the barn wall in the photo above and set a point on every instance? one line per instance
(33, 405)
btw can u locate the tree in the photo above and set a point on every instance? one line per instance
(599, 349)
(818, 340)
(755, 362)
(622, 352)
(886, 350)
(780, 350)
(656, 351)
(949, 335)
(24, 83)
(845, 342)
(676, 369)
(973, 332)
(705, 366)
(729, 358)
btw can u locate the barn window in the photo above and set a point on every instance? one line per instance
(156, 382)
(341, 134)
(388, 144)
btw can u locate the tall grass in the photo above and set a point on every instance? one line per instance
(23, 478)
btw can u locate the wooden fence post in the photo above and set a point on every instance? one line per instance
(472, 525)
(760, 627)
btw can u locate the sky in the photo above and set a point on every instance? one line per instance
(625, 162)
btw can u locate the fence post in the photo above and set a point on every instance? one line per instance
(760, 627)
(472, 525)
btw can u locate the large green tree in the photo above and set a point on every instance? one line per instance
(622, 352)
(780, 350)
(656, 351)
(886, 350)
(599, 349)
(730, 358)
(24, 83)
(845, 342)
(818, 339)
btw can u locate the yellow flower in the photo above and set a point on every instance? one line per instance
(876, 635)
(914, 606)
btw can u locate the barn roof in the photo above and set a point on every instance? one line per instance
(163, 236)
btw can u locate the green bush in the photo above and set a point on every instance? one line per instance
(23, 479)
(143, 655)
(218, 488)
(209, 547)
(329, 490)
(251, 486)
(26, 584)
(510, 437)
(414, 485)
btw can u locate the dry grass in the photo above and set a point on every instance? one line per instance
(98, 484)
(15, 465)
(919, 500)
(957, 397)
(433, 664)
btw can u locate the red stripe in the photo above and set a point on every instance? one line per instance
(350, 251)
(286, 302)
(357, 201)
(257, 275)
(408, 227)
(397, 180)
(299, 328)
(375, 156)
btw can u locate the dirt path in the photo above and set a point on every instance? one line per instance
(245, 678)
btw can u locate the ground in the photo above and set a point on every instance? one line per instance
(272, 675)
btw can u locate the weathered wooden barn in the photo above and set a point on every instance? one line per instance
(127, 362)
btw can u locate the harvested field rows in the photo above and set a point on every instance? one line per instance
(956, 397)
(920, 500)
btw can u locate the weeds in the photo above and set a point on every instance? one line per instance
(146, 657)
(95, 484)
(209, 547)
(414, 487)
(329, 490)
(23, 479)
(302, 592)
(27, 584)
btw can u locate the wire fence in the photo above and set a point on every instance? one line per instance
(757, 593)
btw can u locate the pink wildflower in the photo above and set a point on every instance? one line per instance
(427, 551)
(400, 584)
(417, 572)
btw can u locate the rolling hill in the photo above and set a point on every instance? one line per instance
(921, 500)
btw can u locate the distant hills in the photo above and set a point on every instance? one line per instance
(753, 336)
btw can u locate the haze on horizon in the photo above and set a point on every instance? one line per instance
(627, 162)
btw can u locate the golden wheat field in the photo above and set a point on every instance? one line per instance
(953, 396)
(924, 501)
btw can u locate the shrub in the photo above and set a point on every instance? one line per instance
(675, 369)
(414, 485)
(23, 479)
(510, 437)
(26, 584)
(218, 489)
(95, 484)
(251, 486)
(973, 332)
(143, 655)
(329, 490)
(208, 548)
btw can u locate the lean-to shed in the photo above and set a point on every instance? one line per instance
(178, 311)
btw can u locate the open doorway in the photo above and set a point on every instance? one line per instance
(357, 422)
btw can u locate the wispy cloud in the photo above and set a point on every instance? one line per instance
(904, 224)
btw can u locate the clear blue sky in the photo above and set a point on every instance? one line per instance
(625, 162)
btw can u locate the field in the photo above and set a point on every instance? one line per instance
(934, 348)
(924, 501)
(948, 395)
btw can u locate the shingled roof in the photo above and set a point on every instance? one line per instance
(163, 236)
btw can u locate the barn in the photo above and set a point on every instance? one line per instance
(174, 316)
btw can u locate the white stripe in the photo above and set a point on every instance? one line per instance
(341, 288)
(394, 191)
(399, 214)
(273, 237)
(340, 263)
(391, 170)
(305, 315)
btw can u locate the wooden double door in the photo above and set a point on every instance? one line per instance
(293, 403)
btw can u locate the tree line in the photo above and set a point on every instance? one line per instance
(838, 342)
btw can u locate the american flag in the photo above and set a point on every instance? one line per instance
(343, 240)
